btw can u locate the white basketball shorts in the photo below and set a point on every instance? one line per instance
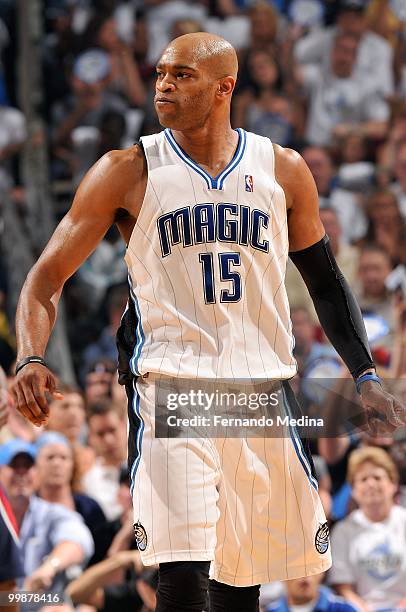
(248, 505)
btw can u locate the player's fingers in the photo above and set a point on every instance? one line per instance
(395, 413)
(37, 416)
(38, 391)
(20, 403)
(51, 386)
(400, 411)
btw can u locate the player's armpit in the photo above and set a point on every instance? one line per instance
(293, 175)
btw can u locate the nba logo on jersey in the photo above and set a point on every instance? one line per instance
(249, 183)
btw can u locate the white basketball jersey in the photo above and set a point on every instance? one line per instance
(207, 260)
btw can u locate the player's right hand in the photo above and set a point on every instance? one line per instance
(29, 391)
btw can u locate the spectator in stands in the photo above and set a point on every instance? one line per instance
(346, 257)
(11, 564)
(99, 380)
(263, 37)
(125, 80)
(107, 436)
(55, 468)
(373, 295)
(339, 100)
(307, 351)
(13, 134)
(309, 595)
(160, 17)
(397, 451)
(355, 171)
(375, 56)
(263, 108)
(59, 50)
(399, 186)
(53, 538)
(67, 417)
(351, 217)
(135, 592)
(369, 546)
(386, 228)
(264, 28)
(101, 274)
(79, 119)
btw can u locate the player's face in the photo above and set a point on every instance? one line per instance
(184, 91)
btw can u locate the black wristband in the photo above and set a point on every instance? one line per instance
(30, 359)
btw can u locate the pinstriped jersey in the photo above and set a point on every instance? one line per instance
(207, 260)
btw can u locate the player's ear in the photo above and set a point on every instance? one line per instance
(226, 86)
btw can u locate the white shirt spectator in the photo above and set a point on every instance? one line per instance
(13, 130)
(349, 212)
(401, 196)
(160, 20)
(374, 59)
(372, 557)
(335, 101)
(102, 483)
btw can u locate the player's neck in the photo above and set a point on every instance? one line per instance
(211, 146)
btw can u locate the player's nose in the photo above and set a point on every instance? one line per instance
(165, 84)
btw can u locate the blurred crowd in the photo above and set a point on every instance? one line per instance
(325, 78)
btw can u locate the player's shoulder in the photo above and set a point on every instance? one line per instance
(118, 160)
(292, 173)
(287, 159)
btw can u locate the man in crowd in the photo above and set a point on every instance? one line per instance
(107, 436)
(53, 538)
(309, 595)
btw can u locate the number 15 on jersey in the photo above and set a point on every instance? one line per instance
(227, 262)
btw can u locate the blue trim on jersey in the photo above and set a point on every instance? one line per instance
(140, 431)
(235, 161)
(139, 334)
(211, 182)
(297, 443)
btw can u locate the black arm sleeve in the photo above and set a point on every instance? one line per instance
(335, 304)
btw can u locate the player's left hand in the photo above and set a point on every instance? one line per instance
(384, 412)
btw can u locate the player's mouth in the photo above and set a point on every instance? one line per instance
(163, 102)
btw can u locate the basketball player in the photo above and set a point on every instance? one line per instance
(209, 215)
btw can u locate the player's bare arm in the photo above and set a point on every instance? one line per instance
(112, 191)
(335, 304)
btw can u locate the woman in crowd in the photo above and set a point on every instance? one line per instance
(369, 546)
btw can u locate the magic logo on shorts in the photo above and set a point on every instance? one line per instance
(321, 540)
(140, 536)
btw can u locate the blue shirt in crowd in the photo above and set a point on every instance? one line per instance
(45, 525)
(327, 602)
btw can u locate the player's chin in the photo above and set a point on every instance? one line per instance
(167, 115)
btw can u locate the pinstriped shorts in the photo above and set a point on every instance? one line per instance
(248, 505)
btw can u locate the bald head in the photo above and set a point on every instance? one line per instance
(208, 49)
(196, 77)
